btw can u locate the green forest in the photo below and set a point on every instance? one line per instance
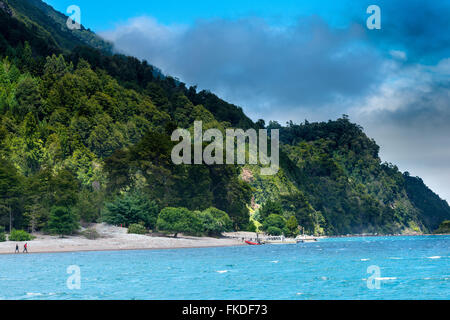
(85, 137)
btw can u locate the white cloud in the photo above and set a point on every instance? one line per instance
(251, 63)
(398, 54)
(409, 117)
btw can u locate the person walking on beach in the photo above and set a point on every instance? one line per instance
(17, 249)
(25, 248)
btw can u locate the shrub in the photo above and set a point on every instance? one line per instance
(270, 207)
(222, 217)
(131, 209)
(137, 229)
(90, 234)
(251, 227)
(88, 206)
(275, 221)
(20, 235)
(215, 221)
(292, 226)
(177, 220)
(2, 234)
(210, 226)
(274, 231)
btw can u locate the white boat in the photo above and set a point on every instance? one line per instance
(278, 240)
(305, 239)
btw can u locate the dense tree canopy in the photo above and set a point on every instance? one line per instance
(62, 221)
(179, 220)
(89, 132)
(131, 209)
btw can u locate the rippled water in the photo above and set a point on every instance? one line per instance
(410, 268)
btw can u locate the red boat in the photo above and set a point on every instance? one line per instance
(253, 243)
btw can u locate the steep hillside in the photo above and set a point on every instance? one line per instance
(43, 21)
(433, 210)
(81, 128)
(338, 179)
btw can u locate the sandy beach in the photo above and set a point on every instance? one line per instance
(112, 239)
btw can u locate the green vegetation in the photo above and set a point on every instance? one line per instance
(49, 26)
(444, 228)
(274, 231)
(333, 182)
(90, 234)
(210, 222)
(85, 136)
(137, 228)
(2, 234)
(275, 225)
(131, 209)
(251, 227)
(215, 222)
(62, 221)
(179, 220)
(292, 227)
(11, 190)
(20, 235)
(270, 207)
(86, 143)
(433, 210)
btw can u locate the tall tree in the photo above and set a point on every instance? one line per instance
(11, 190)
(179, 220)
(62, 221)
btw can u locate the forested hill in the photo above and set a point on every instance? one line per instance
(341, 185)
(86, 130)
(41, 21)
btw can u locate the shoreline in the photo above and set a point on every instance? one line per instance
(112, 239)
(118, 249)
(115, 239)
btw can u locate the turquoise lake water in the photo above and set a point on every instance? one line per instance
(410, 268)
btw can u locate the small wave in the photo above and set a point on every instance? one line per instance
(32, 294)
(394, 258)
(274, 261)
(386, 278)
(222, 271)
(365, 259)
(436, 257)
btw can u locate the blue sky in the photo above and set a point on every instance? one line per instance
(411, 21)
(100, 15)
(295, 60)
